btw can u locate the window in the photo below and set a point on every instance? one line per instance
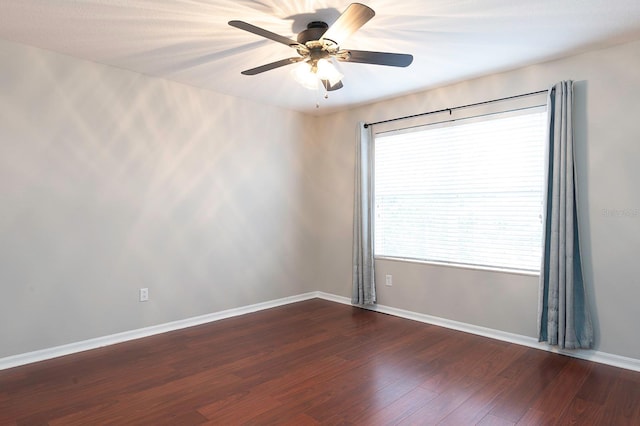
(466, 192)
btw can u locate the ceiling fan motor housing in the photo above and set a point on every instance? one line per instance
(314, 31)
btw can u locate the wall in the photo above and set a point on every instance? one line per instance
(111, 181)
(608, 154)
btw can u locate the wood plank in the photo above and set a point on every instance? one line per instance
(437, 409)
(583, 412)
(622, 407)
(400, 408)
(531, 374)
(476, 408)
(598, 384)
(491, 420)
(548, 408)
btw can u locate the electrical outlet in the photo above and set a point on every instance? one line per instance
(389, 281)
(144, 294)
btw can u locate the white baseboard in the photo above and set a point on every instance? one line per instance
(49, 353)
(591, 355)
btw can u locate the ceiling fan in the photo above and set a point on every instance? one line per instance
(319, 44)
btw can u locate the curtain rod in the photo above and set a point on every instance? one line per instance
(455, 108)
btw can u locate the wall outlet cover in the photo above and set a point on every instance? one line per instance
(389, 280)
(144, 294)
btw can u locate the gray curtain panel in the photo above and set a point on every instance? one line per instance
(563, 312)
(364, 287)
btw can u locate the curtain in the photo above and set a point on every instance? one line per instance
(364, 288)
(563, 312)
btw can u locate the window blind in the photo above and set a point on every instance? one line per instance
(467, 192)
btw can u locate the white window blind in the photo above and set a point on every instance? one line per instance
(467, 192)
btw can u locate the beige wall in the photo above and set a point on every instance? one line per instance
(111, 181)
(608, 154)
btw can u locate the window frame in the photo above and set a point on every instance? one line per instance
(535, 105)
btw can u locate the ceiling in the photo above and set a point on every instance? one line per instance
(189, 41)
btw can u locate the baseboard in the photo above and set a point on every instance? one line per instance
(591, 355)
(49, 353)
(58, 351)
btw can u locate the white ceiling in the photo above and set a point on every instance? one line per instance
(189, 41)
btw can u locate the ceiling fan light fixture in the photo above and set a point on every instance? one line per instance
(327, 71)
(310, 73)
(304, 75)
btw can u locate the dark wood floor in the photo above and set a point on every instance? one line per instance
(318, 362)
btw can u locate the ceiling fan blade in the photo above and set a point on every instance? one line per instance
(272, 65)
(354, 17)
(263, 33)
(331, 88)
(377, 58)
